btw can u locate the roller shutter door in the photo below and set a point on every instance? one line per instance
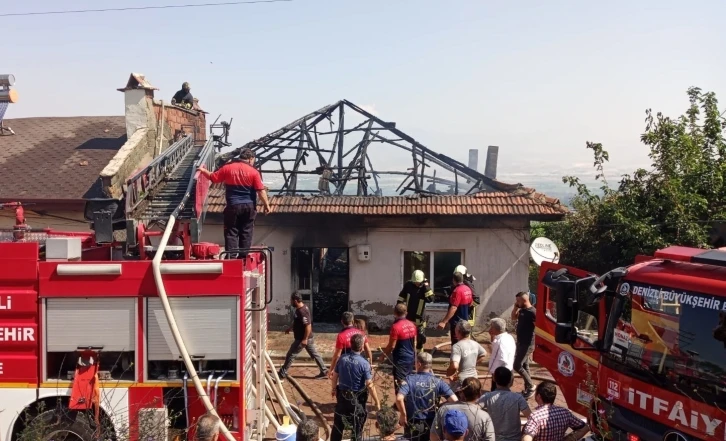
(71, 323)
(208, 326)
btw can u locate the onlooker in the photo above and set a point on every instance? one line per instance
(505, 406)
(242, 183)
(503, 348)
(525, 315)
(360, 325)
(459, 303)
(207, 428)
(549, 422)
(464, 356)
(401, 346)
(480, 424)
(415, 294)
(302, 331)
(308, 430)
(386, 422)
(342, 341)
(418, 397)
(352, 380)
(455, 426)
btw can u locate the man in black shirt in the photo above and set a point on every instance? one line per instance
(184, 97)
(524, 314)
(302, 331)
(415, 294)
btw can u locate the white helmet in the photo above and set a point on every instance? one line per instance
(417, 276)
(460, 269)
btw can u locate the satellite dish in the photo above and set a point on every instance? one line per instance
(543, 249)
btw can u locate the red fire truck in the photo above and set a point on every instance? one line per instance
(640, 350)
(135, 340)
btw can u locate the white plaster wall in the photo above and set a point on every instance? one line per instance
(136, 112)
(498, 259)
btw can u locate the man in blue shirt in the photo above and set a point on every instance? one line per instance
(352, 379)
(418, 398)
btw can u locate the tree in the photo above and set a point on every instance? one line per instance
(679, 201)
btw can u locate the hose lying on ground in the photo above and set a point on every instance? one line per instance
(310, 403)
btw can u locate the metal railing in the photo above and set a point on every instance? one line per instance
(139, 185)
(206, 156)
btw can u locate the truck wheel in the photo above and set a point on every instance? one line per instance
(59, 425)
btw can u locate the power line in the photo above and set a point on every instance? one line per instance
(140, 8)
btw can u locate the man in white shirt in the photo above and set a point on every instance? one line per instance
(503, 347)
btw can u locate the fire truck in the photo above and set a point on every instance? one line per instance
(641, 350)
(135, 339)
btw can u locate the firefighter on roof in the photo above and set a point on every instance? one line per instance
(415, 294)
(183, 97)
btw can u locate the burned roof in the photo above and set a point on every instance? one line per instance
(332, 151)
(524, 202)
(58, 159)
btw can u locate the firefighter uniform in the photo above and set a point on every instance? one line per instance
(415, 297)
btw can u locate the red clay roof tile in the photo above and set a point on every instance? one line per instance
(529, 203)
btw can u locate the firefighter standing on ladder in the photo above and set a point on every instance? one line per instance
(242, 184)
(415, 294)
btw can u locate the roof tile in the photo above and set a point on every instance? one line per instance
(491, 203)
(58, 158)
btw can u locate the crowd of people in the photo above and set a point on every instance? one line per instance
(453, 407)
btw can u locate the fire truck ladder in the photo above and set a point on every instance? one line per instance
(168, 186)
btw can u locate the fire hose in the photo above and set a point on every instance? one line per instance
(191, 370)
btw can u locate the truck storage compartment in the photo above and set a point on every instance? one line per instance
(105, 323)
(209, 327)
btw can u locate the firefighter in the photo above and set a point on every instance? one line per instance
(243, 184)
(460, 302)
(415, 294)
(469, 281)
(183, 97)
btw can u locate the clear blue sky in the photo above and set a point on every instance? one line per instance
(538, 79)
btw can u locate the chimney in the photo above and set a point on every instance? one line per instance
(138, 102)
(474, 159)
(490, 170)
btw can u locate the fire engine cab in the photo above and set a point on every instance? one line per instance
(641, 350)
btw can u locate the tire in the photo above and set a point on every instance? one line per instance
(59, 425)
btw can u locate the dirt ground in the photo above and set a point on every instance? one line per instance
(303, 370)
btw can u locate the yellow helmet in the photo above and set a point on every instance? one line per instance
(417, 276)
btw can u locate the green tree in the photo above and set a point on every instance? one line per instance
(676, 202)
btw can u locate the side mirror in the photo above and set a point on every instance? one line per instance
(565, 333)
(566, 310)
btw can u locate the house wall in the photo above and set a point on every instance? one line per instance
(497, 257)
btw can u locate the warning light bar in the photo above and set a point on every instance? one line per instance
(693, 255)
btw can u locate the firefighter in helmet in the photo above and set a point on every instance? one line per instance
(415, 294)
(469, 281)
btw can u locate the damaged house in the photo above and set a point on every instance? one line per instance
(347, 235)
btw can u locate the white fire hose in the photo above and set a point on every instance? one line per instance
(156, 266)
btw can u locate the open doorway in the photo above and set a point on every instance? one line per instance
(321, 276)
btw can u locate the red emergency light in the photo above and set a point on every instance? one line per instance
(693, 255)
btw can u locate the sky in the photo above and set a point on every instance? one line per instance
(538, 79)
